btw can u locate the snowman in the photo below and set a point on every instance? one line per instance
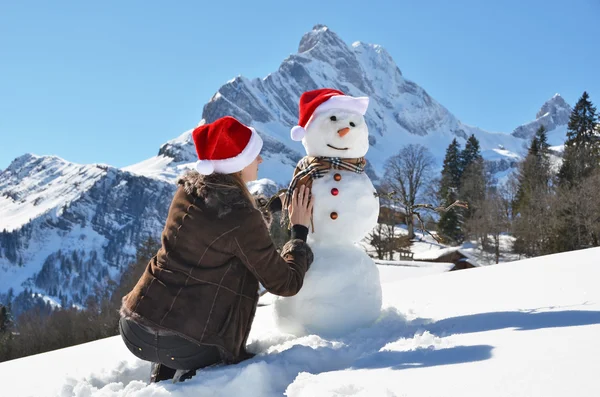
(342, 290)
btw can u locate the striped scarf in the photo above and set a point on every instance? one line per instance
(310, 168)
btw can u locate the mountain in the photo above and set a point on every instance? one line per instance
(67, 229)
(400, 112)
(554, 115)
(460, 333)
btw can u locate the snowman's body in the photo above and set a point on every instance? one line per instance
(342, 290)
(353, 203)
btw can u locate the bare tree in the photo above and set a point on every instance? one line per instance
(384, 238)
(576, 216)
(407, 174)
(535, 223)
(489, 221)
(510, 191)
(384, 232)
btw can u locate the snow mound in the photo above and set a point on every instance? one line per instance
(527, 328)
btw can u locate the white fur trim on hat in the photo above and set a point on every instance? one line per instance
(233, 164)
(204, 167)
(357, 105)
(297, 133)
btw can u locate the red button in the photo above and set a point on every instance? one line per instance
(337, 177)
(333, 215)
(335, 191)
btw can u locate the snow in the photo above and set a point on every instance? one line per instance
(52, 206)
(400, 270)
(528, 328)
(81, 239)
(425, 248)
(158, 168)
(263, 186)
(41, 187)
(276, 168)
(474, 251)
(33, 186)
(505, 154)
(557, 136)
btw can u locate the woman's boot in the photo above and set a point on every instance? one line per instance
(183, 374)
(161, 372)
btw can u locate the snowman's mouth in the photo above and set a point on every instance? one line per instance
(337, 148)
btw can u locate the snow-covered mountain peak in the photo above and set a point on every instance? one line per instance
(320, 36)
(400, 111)
(71, 227)
(180, 149)
(34, 185)
(18, 162)
(557, 107)
(374, 57)
(27, 163)
(554, 116)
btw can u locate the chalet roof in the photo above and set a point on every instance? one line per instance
(432, 255)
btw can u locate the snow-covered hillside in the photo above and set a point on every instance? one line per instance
(68, 228)
(528, 328)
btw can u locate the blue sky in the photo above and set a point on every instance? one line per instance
(110, 81)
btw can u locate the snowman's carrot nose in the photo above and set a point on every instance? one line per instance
(344, 131)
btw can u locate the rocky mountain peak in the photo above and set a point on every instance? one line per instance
(553, 115)
(556, 107)
(319, 37)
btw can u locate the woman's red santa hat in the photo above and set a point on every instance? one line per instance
(225, 146)
(317, 101)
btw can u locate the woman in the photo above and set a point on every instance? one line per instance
(196, 300)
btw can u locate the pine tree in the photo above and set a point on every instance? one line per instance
(539, 143)
(5, 334)
(471, 154)
(452, 170)
(542, 140)
(5, 319)
(473, 180)
(531, 206)
(448, 225)
(575, 220)
(534, 172)
(534, 147)
(582, 148)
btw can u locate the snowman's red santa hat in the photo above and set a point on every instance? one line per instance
(225, 146)
(317, 101)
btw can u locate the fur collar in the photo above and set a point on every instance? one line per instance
(221, 193)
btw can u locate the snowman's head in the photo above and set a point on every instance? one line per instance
(332, 124)
(336, 133)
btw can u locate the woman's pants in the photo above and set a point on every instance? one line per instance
(166, 348)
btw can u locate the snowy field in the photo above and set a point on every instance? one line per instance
(424, 247)
(526, 328)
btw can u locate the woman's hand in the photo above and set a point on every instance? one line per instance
(300, 209)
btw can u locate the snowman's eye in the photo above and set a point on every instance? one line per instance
(352, 124)
(333, 118)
